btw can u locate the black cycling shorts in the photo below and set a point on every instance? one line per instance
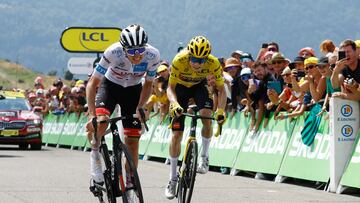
(202, 98)
(109, 94)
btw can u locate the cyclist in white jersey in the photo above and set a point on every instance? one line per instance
(118, 78)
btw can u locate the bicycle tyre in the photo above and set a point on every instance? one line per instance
(188, 173)
(108, 177)
(123, 156)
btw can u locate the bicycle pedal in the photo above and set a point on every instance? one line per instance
(96, 192)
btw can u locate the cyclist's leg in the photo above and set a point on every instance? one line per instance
(205, 103)
(105, 105)
(183, 96)
(132, 127)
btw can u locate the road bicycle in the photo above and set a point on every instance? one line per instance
(118, 165)
(187, 171)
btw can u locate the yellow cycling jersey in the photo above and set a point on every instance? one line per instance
(182, 73)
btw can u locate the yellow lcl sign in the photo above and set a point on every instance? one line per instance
(89, 39)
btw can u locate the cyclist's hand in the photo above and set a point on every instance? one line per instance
(90, 126)
(220, 116)
(146, 114)
(175, 109)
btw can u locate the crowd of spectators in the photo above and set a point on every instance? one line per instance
(59, 98)
(270, 84)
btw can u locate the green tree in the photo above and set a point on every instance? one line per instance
(68, 75)
(52, 73)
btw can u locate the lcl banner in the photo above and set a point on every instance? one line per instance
(89, 39)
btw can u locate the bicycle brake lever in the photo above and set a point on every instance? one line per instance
(142, 113)
(94, 138)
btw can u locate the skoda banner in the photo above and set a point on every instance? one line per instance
(89, 39)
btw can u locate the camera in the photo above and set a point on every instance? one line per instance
(341, 55)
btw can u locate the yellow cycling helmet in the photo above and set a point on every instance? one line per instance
(199, 47)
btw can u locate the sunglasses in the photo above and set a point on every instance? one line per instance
(230, 68)
(132, 52)
(272, 49)
(197, 60)
(321, 66)
(277, 62)
(245, 77)
(309, 67)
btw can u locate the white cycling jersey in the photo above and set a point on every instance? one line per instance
(117, 68)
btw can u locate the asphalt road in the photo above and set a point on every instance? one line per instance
(62, 175)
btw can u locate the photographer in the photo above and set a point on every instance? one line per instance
(347, 66)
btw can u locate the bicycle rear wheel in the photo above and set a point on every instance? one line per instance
(124, 158)
(188, 173)
(109, 177)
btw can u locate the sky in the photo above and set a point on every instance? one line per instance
(31, 29)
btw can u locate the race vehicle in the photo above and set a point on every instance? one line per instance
(19, 123)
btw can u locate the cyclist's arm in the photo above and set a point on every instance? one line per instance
(221, 99)
(90, 94)
(174, 73)
(145, 93)
(171, 93)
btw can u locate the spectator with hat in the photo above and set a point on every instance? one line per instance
(307, 52)
(357, 42)
(38, 83)
(326, 72)
(252, 97)
(246, 60)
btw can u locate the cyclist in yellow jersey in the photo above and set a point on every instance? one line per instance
(187, 81)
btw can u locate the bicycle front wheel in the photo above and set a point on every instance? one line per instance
(108, 176)
(126, 168)
(188, 173)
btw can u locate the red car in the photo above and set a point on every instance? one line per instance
(19, 124)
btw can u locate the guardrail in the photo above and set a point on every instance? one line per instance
(277, 149)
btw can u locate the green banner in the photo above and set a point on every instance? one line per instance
(224, 149)
(81, 135)
(49, 120)
(309, 163)
(159, 141)
(56, 129)
(351, 177)
(264, 151)
(69, 131)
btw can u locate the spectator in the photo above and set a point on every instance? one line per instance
(327, 47)
(260, 70)
(38, 83)
(237, 54)
(326, 72)
(246, 60)
(348, 67)
(357, 42)
(307, 52)
(230, 72)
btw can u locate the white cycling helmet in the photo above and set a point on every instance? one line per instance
(133, 36)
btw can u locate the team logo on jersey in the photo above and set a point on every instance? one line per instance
(140, 67)
(150, 56)
(117, 52)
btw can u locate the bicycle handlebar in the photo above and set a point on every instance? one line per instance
(114, 120)
(219, 129)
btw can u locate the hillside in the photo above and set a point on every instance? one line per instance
(15, 75)
(31, 30)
